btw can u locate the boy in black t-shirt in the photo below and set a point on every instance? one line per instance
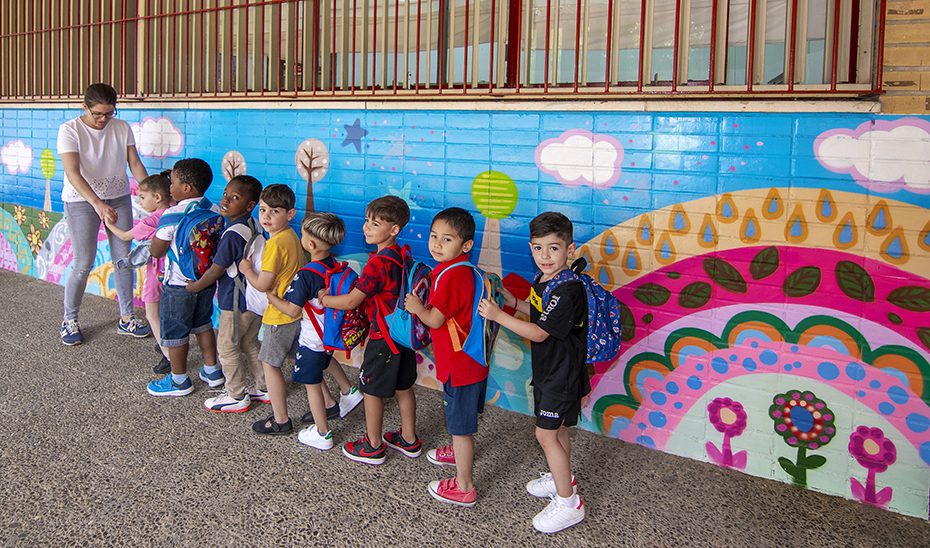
(558, 333)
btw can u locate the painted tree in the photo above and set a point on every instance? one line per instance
(47, 162)
(233, 165)
(312, 160)
(495, 195)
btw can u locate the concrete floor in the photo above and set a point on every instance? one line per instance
(88, 458)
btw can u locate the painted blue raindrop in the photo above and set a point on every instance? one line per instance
(720, 365)
(846, 233)
(749, 364)
(727, 211)
(679, 222)
(773, 206)
(603, 277)
(894, 248)
(666, 252)
(645, 235)
(927, 238)
(708, 234)
(917, 422)
(898, 395)
(802, 419)
(796, 229)
(879, 223)
(608, 247)
(885, 408)
(694, 383)
(828, 371)
(827, 208)
(631, 262)
(750, 229)
(855, 371)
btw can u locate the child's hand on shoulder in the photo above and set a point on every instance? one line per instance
(322, 293)
(489, 310)
(413, 304)
(273, 292)
(245, 264)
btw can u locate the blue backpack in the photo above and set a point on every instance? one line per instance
(196, 238)
(405, 328)
(603, 313)
(339, 280)
(480, 339)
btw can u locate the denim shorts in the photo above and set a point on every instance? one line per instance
(182, 313)
(462, 405)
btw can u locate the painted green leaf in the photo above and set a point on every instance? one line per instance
(788, 466)
(923, 335)
(855, 281)
(802, 282)
(912, 298)
(724, 275)
(894, 318)
(652, 294)
(648, 318)
(627, 323)
(695, 295)
(811, 462)
(765, 263)
(673, 275)
(47, 161)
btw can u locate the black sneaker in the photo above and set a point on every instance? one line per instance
(362, 451)
(163, 367)
(395, 440)
(272, 428)
(331, 413)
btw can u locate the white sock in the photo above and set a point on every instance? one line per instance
(211, 368)
(571, 502)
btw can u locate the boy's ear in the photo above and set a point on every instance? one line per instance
(395, 229)
(571, 250)
(251, 205)
(466, 247)
(290, 214)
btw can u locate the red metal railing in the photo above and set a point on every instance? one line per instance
(221, 49)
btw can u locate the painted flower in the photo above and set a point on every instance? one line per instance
(19, 213)
(34, 237)
(43, 220)
(727, 416)
(802, 419)
(872, 449)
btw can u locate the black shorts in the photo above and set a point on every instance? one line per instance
(551, 413)
(383, 372)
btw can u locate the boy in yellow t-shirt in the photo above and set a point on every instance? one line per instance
(281, 259)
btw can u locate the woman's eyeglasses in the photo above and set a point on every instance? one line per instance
(99, 115)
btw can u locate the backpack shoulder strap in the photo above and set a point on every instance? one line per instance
(391, 254)
(450, 267)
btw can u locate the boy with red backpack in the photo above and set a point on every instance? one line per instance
(320, 232)
(384, 373)
(558, 332)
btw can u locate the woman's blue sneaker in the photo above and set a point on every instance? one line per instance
(134, 328)
(213, 379)
(71, 333)
(167, 387)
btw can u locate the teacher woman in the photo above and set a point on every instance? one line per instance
(95, 149)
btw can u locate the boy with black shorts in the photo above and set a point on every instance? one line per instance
(558, 331)
(464, 380)
(383, 373)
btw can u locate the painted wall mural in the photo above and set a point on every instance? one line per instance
(772, 267)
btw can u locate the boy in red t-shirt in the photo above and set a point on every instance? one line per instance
(464, 380)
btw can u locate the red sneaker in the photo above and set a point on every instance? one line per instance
(362, 451)
(448, 491)
(443, 456)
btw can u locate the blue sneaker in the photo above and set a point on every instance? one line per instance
(213, 379)
(71, 333)
(167, 387)
(133, 328)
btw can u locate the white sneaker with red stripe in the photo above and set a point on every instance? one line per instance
(559, 515)
(545, 486)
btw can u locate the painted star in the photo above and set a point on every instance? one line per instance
(404, 194)
(399, 147)
(354, 135)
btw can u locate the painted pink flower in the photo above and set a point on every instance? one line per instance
(872, 449)
(727, 416)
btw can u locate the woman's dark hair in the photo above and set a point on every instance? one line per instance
(99, 94)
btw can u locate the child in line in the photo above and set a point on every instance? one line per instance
(383, 373)
(237, 358)
(558, 333)
(155, 198)
(281, 260)
(182, 312)
(464, 381)
(320, 232)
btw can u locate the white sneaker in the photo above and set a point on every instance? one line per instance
(347, 402)
(557, 516)
(258, 395)
(545, 486)
(312, 437)
(224, 403)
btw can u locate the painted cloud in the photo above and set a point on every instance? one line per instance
(885, 156)
(16, 156)
(158, 138)
(579, 157)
